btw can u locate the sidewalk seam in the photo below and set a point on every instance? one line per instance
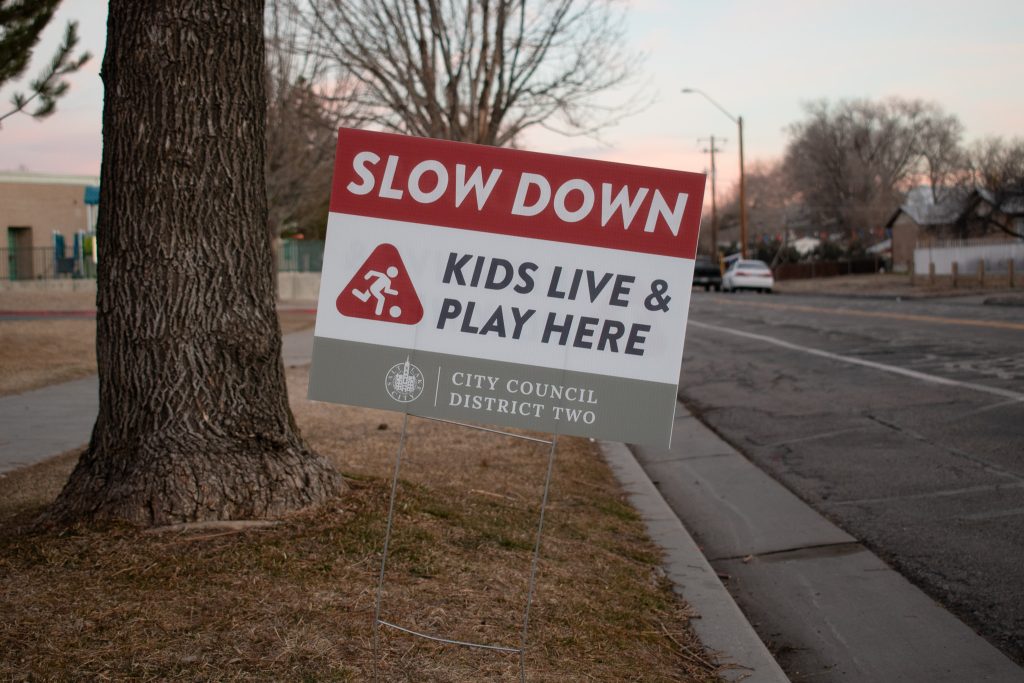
(722, 627)
(783, 551)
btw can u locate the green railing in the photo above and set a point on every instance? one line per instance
(33, 263)
(42, 263)
(301, 256)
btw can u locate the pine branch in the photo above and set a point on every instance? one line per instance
(50, 85)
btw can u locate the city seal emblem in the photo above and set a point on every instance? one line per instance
(404, 382)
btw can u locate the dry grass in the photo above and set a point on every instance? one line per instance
(40, 352)
(36, 353)
(296, 601)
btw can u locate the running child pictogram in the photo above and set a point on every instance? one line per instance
(381, 290)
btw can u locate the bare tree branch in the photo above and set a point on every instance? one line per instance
(475, 70)
(853, 161)
(997, 167)
(305, 105)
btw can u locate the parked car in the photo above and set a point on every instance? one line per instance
(706, 273)
(755, 275)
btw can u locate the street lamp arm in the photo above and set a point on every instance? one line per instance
(738, 120)
(708, 98)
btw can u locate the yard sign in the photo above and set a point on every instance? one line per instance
(490, 285)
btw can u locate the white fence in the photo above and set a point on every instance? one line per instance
(968, 254)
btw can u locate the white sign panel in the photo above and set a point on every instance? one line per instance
(507, 287)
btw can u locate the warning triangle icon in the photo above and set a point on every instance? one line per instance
(381, 290)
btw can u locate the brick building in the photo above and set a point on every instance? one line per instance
(33, 207)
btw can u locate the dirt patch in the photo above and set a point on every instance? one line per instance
(41, 352)
(46, 300)
(293, 321)
(37, 353)
(845, 283)
(26, 491)
(895, 285)
(296, 600)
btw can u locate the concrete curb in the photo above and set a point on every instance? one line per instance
(1005, 300)
(721, 625)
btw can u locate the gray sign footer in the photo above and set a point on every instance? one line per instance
(476, 390)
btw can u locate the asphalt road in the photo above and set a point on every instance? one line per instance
(900, 421)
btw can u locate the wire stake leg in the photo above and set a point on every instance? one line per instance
(536, 557)
(384, 555)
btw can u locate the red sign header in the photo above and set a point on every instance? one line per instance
(524, 194)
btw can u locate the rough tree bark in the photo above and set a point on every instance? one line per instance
(194, 422)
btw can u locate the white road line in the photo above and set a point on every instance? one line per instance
(942, 493)
(933, 379)
(990, 407)
(815, 437)
(995, 514)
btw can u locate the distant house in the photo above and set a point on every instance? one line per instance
(805, 245)
(987, 213)
(957, 215)
(881, 249)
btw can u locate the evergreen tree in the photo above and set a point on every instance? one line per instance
(21, 25)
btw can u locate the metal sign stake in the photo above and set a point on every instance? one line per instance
(384, 555)
(378, 622)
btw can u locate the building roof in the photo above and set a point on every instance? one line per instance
(1012, 205)
(881, 247)
(24, 177)
(920, 206)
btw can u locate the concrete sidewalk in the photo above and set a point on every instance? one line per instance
(719, 623)
(829, 607)
(36, 425)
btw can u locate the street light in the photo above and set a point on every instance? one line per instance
(738, 120)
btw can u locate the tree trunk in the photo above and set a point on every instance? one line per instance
(194, 422)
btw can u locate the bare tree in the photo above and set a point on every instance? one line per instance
(305, 107)
(998, 167)
(300, 157)
(193, 420)
(771, 202)
(478, 71)
(853, 161)
(943, 158)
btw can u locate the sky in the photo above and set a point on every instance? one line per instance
(759, 60)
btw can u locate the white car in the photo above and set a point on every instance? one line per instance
(755, 275)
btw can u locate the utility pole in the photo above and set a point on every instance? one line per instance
(714, 206)
(743, 195)
(738, 120)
